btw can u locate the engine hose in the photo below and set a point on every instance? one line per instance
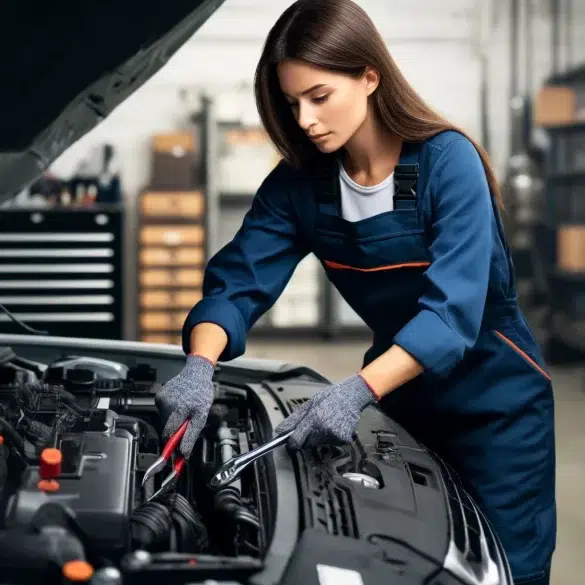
(246, 517)
(228, 501)
(171, 522)
(30, 391)
(150, 527)
(12, 435)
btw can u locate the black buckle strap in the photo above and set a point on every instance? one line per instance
(405, 181)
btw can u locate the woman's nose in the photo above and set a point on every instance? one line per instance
(306, 117)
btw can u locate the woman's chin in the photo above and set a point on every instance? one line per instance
(327, 146)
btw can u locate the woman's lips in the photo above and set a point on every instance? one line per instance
(319, 137)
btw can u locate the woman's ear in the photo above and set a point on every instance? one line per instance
(371, 78)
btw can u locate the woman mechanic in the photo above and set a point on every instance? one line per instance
(401, 208)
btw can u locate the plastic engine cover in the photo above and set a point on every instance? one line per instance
(95, 482)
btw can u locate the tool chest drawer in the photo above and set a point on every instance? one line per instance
(173, 204)
(172, 256)
(165, 338)
(192, 279)
(162, 320)
(157, 299)
(172, 235)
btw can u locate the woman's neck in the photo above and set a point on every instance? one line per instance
(371, 153)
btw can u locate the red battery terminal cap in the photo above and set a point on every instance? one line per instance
(51, 463)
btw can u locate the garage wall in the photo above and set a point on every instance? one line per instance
(438, 45)
(435, 46)
(571, 50)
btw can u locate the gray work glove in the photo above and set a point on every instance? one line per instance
(189, 395)
(330, 416)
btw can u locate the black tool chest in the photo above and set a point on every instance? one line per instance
(61, 270)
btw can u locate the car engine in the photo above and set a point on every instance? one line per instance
(79, 428)
(76, 437)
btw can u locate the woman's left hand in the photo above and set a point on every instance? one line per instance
(329, 417)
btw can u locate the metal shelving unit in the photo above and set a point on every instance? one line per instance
(563, 244)
(309, 307)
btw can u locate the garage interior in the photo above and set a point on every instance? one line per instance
(173, 170)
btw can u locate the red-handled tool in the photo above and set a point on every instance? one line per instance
(161, 462)
(170, 481)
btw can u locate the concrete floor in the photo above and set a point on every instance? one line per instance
(339, 360)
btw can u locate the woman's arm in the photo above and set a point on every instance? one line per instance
(208, 340)
(451, 310)
(246, 277)
(390, 371)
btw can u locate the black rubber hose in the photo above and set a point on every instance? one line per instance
(171, 518)
(12, 435)
(150, 527)
(228, 502)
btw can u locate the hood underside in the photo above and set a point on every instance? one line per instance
(71, 65)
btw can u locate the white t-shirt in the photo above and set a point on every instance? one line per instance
(358, 202)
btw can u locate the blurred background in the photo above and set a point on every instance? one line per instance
(139, 204)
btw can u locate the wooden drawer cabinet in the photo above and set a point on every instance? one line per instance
(188, 256)
(187, 204)
(163, 299)
(162, 320)
(171, 278)
(172, 235)
(171, 246)
(162, 338)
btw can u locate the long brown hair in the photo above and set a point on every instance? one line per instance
(339, 36)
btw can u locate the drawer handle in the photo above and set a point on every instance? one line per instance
(172, 238)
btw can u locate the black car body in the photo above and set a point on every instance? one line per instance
(382, 510)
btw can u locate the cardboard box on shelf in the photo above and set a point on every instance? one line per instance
(571, 248)
(176, 143)
(555, 106)
(175, 161)
(246, 157)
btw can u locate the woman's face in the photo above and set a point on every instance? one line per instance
(329, 107)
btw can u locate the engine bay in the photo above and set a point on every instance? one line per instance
(79, 428)
(76, 437)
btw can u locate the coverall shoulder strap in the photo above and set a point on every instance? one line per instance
(327, 189)
(406, 177)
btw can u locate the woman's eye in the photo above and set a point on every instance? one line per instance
(320, 99)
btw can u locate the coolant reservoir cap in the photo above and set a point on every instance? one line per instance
(77, 571)
(50, 463)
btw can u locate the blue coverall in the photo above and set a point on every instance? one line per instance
(435, 277)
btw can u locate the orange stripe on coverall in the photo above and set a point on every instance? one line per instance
(338, 266)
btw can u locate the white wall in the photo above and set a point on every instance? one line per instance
(434, 46)
(498, 51)
(437, 45)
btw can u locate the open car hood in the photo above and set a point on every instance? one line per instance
(66, 65)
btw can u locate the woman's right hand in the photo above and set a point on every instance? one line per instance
(189, 395)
